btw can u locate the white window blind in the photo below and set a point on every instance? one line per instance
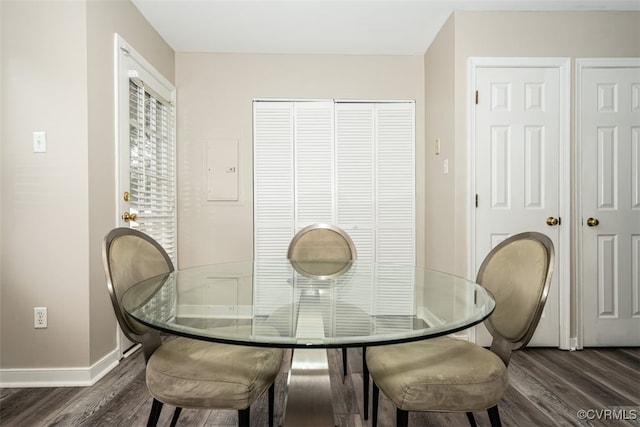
(152, 170)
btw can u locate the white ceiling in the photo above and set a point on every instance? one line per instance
(386, 27)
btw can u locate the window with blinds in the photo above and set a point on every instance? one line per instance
(152, 170)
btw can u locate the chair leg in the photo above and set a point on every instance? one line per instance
(244, 415)
(272, 399)
(344, 363)
(402, 418)
(154, 415)
(471, 419)
(374, 405)
(365, 382)
(494, 416)
(176, 415)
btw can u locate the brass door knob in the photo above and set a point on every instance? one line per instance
(592, 222)
(553, 221)
(129, 217)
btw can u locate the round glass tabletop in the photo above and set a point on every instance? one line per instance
(281, 303)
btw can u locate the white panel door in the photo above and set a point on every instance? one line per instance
(609, 132)
(518, 137)
(146, 165)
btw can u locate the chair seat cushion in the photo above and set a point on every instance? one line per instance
(197, 374)
(440, 374)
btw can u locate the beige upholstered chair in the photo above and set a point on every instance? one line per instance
(450, 375)
(323, 251)
(183, 372)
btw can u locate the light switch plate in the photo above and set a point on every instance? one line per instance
(39, 142)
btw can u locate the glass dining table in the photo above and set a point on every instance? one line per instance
(308, 307)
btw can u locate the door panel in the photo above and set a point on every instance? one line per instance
(517, 153)
(145, 167)
(609, 129)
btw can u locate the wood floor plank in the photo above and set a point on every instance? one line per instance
(582, 377)
(544, 391)
(625, 380)
(116, 396)
(567, 380)
(36, 405)
(516, 409)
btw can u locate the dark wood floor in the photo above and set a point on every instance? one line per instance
(547, 388)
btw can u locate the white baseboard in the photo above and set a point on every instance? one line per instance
(59, 377)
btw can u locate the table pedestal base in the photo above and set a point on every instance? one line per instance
(308, 397)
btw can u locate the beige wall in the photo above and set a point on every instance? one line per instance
(57, 76)
(439, 123)
(215, 93)
(44, 196)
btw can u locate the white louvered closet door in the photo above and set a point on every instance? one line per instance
(395, 183)
(355, 184)
(375, 190)
(355, 174)
(375, 179)
(273, 178)
(314, 182)
(313, 163)
(273, 205)
(395, 211)
(344, 163)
